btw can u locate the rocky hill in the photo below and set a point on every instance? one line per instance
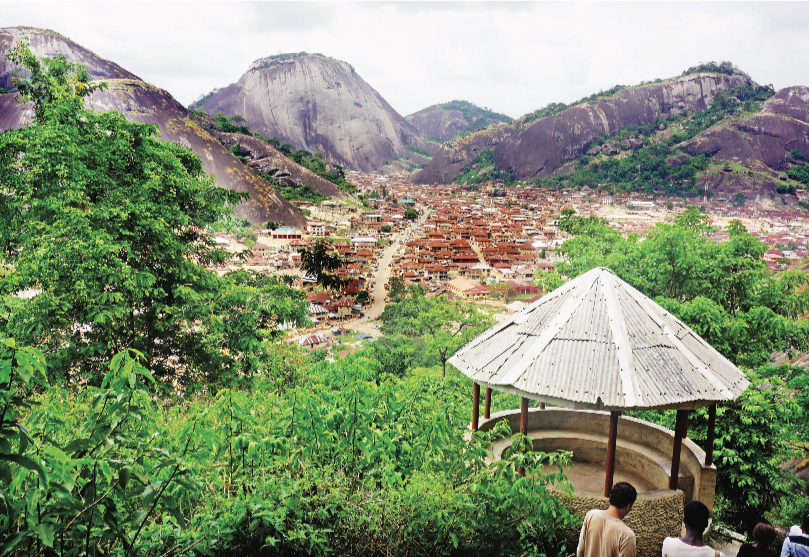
(750, 143)
(763, 139)
(141, 102)
(321, 105)
(442, 122)
(537, 148)
(265, 159)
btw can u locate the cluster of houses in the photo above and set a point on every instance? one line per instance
(479, 241)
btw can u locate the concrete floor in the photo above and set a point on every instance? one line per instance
(588, 478)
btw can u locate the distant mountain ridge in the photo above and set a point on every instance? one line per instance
(141, 102)
(321, 105)
(442, 122)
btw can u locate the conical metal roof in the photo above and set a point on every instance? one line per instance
(596, 342)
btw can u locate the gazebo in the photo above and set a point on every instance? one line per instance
(597, 344)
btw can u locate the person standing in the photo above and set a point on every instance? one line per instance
(696, 517)
(604, 533)
(764, 534)
(797, 545)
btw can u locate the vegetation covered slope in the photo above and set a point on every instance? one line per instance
(538, 144)
(319, 104)
(655, 157)
(294, 174)
(442, 122)
(145, 103)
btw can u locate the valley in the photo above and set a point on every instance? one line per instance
(260, 324)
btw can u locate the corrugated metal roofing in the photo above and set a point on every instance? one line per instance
(596, 342)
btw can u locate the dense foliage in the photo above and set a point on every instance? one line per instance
(482, 169)
(103, 224)
(445, 326)
(726, 294)
(711, 67)
(350, 461)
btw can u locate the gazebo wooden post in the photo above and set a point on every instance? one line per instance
(542, 406)
(523, 426)
(487, 405)
(680, 432)
(711, 435)
(614, 415)
(475, 406)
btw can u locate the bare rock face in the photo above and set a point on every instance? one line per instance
(321, 105)
(765, 138)
(437, 123)
(140, 102)
(539, 148)
(443, 122)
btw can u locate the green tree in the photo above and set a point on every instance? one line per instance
(411, 214)
(106, 220)
(445, 325)
(386, 228)
(321, 264)
(396, 289)
(363, 297)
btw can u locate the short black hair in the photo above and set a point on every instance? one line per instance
(696, 516)
(805, 522)
(622, 494)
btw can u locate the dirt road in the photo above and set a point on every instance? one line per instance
(380, 277)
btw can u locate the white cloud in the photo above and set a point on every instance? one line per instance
(510, 57)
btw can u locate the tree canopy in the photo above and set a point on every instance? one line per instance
(725, 292)
(444, 325)
(104, 222)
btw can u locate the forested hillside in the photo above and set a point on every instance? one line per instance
(148, 408)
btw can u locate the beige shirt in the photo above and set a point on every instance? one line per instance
(604, 536)
(675, 547)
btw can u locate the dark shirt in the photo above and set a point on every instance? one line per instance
(748, 550)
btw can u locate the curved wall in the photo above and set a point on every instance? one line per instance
(642, 447)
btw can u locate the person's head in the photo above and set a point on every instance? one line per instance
(764, 534)
(623, 496)
(805, 523)
(696, 517)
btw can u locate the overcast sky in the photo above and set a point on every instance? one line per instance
(510, 57)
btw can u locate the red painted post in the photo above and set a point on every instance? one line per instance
(611, 442)
(487, 405)
(711, 435)
(475, 406)
(523, 426)
(680, 432)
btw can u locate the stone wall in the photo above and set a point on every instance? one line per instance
(655, 516)
(635, 436)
